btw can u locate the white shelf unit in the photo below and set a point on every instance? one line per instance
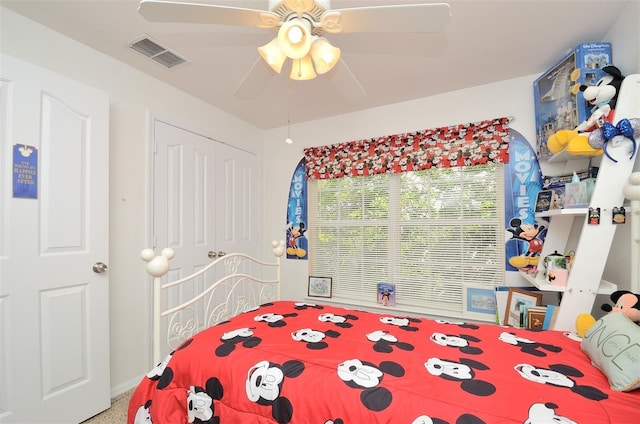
(561, 221)
(594, 241)
(565, 211)
(605, 287)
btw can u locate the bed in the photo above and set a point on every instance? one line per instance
(282, 361)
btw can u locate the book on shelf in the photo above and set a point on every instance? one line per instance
(387, 294)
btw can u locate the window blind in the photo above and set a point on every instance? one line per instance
(428, 232)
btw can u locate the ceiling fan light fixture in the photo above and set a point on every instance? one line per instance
(302, 69)
(272, 54)
(299, 6)
(294, 38)
(324, 55)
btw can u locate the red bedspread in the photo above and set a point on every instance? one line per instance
(302, 363)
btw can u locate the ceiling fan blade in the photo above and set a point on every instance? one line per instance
(255, 81)
(199, 13)
(346, 83)
(432, 17)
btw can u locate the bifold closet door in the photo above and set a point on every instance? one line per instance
(204, 206)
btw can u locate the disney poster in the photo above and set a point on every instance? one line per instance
(523, 180)
(297, 246)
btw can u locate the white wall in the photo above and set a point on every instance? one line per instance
(133, 96)
(506, 98)
(625, 39)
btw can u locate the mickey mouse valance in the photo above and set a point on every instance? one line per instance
(446, 147)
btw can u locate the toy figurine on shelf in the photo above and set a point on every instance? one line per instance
(602, 97)
(575, 178)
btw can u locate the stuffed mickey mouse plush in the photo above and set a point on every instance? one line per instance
(625, 301)
(602, 97)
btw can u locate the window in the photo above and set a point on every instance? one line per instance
(428, 232)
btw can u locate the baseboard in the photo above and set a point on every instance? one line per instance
(125, 387)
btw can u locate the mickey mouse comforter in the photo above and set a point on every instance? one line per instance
(292, 362)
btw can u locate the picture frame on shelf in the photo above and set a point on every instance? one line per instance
(387, 294)
(320, 287)
(479, 302)
(535, 317)
(517, 301)
(549, 199)
(543, 200)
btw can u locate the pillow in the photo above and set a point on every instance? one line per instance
(613, 345)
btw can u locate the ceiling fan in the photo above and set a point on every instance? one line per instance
(300, 26)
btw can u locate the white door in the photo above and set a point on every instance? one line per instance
(183, 216)
(204, 204)
(236, 200)
(54, 309)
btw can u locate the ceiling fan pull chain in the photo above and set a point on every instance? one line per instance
(288, 140)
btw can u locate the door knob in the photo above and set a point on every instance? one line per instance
(213, 254)
(99, 267)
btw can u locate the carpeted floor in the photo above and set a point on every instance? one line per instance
(117, 414)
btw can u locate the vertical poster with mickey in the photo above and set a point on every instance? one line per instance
(297, 246)
(523, 180)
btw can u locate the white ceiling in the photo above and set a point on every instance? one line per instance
(486, 41)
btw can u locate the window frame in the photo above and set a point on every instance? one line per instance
(454, 307)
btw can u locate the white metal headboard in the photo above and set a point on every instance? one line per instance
(240, 283)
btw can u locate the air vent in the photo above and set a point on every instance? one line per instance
(168, 59)
(145, 45)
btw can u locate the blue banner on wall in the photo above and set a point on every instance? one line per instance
(522, 181)
(25, 171)
(297, 246)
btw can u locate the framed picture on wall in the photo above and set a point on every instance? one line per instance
(517, 303)
(320, 286)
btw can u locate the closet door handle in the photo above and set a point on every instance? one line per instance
(213, 254)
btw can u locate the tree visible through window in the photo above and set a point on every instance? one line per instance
(428, 232)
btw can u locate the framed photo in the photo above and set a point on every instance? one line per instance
(535, 317)
(517, 301)
(479, 302)
(320, 286)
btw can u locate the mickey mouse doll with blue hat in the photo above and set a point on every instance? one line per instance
(592, 136)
